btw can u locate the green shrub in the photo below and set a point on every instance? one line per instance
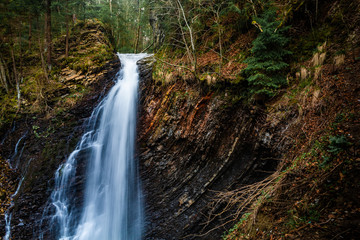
(265, 70)
(338, 144)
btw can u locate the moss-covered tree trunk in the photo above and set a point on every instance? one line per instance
(138, 29)
(48, 32)
(30, 30)
(67, 29)
(16, 77)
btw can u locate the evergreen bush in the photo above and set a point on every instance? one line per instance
(265, 70)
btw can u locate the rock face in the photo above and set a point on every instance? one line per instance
(39, 141)
(43, 154)
(191, 145)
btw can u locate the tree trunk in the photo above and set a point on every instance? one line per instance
(73, 20)
(118, 35)
(67, 39)
(16, 77)
(3, 75)
(152, 21)
(67, 30)
(192, 44)
(43, 61)
(21, 59)
(30, 30)
(48, 32)
(138, 29)
(156, 28)
(220, 39)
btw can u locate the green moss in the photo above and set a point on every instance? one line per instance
(8, 109)
(90, 59)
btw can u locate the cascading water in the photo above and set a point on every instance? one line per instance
(15, 157)
(8, 214)
(112, 207)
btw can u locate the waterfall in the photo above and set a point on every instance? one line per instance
(8, 215)
(112, 205)
(7, 226)
(14, 157)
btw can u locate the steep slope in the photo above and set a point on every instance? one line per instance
(210, 159)
(193, 145)
(276, 169)
(314, 192)
(45, 132)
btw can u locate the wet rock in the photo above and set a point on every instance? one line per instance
(190, 146)
(44, 153)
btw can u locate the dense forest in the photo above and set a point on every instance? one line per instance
(248, 112)
(195, 32)
(31, 32)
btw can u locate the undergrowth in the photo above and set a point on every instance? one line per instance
(45, 92)
(298, 194)
(314, 188)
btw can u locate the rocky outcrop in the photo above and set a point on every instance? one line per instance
(39, 141)
(191, 145)
(46, 146)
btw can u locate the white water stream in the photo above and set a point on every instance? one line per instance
(15, 157)
(8, 214)
(112, 208)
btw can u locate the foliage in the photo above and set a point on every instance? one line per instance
(231, 234)
(338, 144)
(22, 25)
(266, 65)
(39, 134)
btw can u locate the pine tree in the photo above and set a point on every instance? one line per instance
(265, 70)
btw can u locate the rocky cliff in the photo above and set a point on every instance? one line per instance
(193, 144)
(45, 132)
(209, 161)
(206, 159)
(213, 165)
